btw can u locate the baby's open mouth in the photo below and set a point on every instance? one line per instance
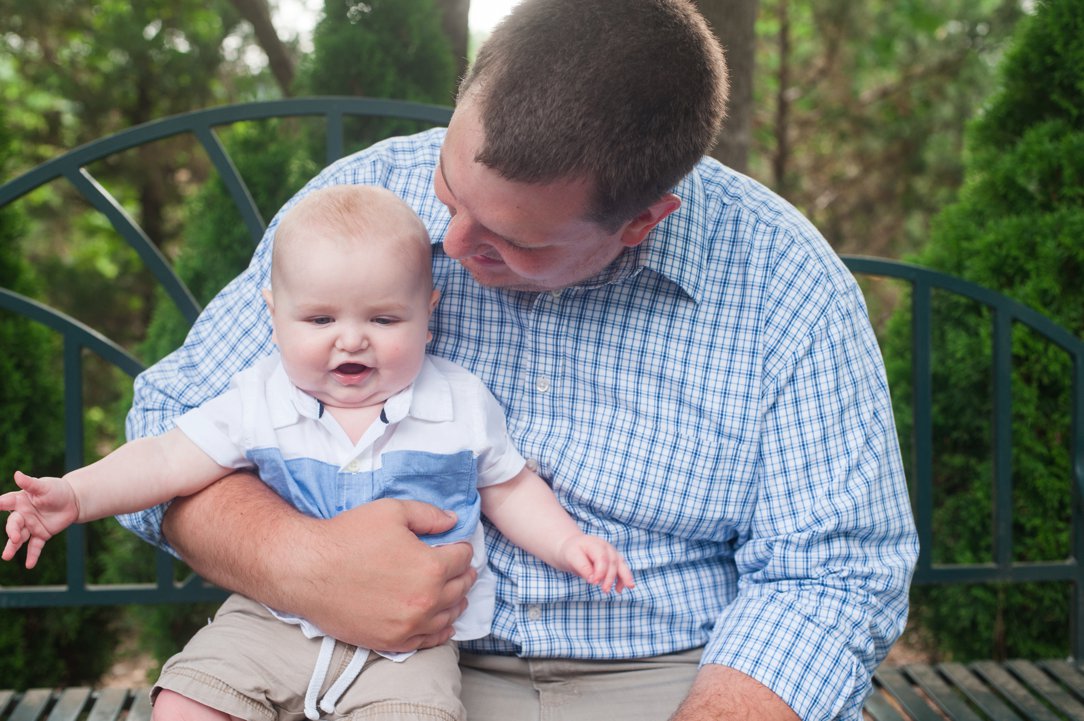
(351, 373)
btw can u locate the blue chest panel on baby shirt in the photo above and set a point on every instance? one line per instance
(323, 490)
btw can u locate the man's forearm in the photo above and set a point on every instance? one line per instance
(363, 576)
(725, 694)
(230, 532)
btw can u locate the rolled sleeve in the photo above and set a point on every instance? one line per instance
(824, 579)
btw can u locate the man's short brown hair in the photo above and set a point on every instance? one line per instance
(628, 94)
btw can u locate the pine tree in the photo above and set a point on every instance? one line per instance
(1018, 227)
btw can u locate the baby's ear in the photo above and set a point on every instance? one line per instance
(269, 300)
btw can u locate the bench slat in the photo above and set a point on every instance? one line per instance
(1035, 677)
(893, 681)
(32, 705)
(977, 691)
(141, 706)
(879, 709)
(109, 704)
(70, 704)
(1015, 692)
(935, 686)
(1068, 674)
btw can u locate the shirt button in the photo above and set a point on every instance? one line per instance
(532, 465)
(555, 295)
(534, 613)
(353, 467)
(542, 384)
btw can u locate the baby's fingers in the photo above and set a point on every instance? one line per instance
(624, 576)
(17, 533)
(33, 550)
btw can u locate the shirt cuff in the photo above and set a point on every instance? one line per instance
(805, 664)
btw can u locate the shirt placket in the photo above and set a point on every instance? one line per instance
(542, 382)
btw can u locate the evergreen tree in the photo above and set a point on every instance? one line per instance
(1016, 227)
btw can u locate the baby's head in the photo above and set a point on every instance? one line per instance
(351, 294)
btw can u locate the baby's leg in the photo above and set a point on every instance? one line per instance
(172, 706)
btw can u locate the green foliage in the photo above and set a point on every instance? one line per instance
(381, 49)
(1017, 227)
(37, 646)
(861, 108)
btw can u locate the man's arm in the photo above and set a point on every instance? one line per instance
(362, 577)
(720, 693)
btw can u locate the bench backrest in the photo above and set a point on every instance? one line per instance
(1005, 314)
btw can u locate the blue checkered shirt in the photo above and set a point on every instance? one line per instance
(714, 404)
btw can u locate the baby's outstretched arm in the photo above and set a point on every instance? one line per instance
(138, 475)
(528, 513)
(43, 508)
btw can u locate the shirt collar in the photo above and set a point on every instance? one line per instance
(428, 398)
(676, 248)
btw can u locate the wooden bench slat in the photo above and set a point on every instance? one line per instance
(32, 705)
(1054, 694)
(935, 686)
(1068, 674)
(893, 681)
(1013, 691)
(141, 705)
(878, 708)
(109, 704)
(978, 692)
(70, 704)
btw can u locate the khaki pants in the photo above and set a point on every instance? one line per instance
(504, 688)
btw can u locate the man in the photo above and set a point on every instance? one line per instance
(679, 354)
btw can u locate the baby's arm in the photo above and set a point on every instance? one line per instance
(529, 515)
(137, 475)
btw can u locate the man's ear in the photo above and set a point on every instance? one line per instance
(635, 231)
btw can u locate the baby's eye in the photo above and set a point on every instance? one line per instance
(322, 320)
(384, 321)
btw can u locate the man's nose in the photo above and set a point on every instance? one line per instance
(461, 240)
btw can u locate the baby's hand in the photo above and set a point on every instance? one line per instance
(43, 508)
(597, 562)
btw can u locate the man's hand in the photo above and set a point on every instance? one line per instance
(362, 577)
(720, 693)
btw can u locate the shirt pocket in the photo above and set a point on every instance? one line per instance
(447, 481)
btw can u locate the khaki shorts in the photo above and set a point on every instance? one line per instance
(249, 664)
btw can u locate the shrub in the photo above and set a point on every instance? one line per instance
(1017, 226)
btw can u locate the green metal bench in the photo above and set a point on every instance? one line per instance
(1019, 689)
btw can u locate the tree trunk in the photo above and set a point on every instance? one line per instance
(258, 13)
(734, 23)
(455, 21)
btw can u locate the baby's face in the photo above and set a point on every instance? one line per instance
(351, 322)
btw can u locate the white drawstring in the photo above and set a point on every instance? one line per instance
(347, 677)
(319, 675)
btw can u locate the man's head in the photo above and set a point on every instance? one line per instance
(625, 94)
(576, 119)
(351, 294)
